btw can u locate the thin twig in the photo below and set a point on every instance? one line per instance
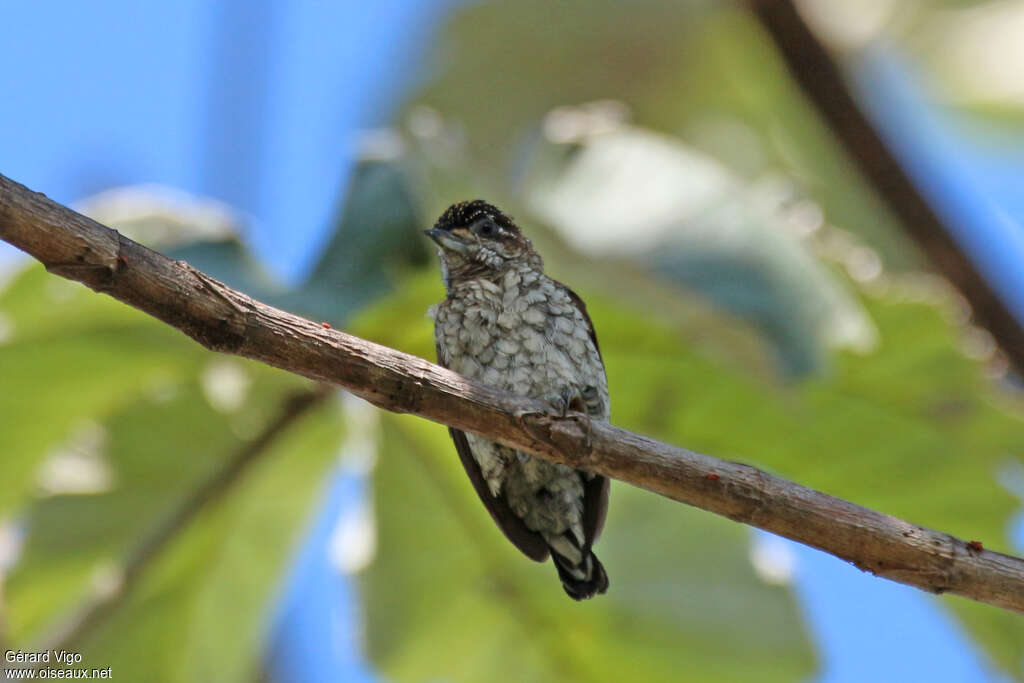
(98, 607)
(228, 321)
(822, 82)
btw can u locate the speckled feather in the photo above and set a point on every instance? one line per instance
(508, 325)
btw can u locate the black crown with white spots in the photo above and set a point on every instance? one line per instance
(465, 214)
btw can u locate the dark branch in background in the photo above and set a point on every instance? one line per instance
(822, 82)
(85, 619)
(228, 321)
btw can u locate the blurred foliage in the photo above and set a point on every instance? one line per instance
(140, 393)
(378, 232)
(618, 190)
(698, 70)
(110, 419)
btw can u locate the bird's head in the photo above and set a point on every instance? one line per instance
(476, 239)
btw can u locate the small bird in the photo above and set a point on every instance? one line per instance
(508, 325)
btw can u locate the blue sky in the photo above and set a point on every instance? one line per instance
(256, 103)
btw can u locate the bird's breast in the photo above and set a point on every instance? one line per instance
(522, 334)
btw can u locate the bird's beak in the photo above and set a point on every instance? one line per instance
(446, 240)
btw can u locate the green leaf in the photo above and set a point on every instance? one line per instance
(701, 226)
(202, 611)
(159, 423)
(199, 611)
(72, 357)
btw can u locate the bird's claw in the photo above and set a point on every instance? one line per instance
(575, 400)
(568, 399)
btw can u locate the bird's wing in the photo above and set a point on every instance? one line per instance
(529, 542)
(582, 308)
(595, 491)
(595, 508)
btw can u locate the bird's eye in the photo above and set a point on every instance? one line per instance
(487, 228)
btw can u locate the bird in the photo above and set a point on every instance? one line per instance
(506, 324)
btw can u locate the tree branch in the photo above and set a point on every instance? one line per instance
(228, 321)
(822, 82)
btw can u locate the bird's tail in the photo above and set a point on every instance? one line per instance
(582, 574)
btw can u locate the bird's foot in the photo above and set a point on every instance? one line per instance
(568, 399)
(576, 401)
